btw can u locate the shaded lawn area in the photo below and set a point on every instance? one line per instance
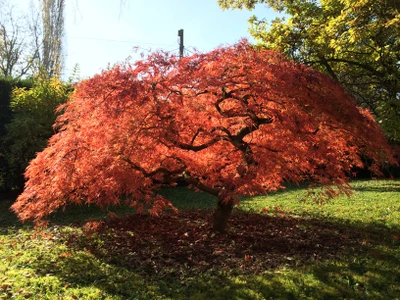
(277, 247)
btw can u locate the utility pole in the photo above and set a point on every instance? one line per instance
(181, 47)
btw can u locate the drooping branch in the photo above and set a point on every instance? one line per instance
(167, 173)
(230, 113)
(198, 148)
(205, 188)
(249, 129)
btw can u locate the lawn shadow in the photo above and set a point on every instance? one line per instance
(181, 251)
(382, 188)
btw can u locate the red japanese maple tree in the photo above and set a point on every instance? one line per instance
(231, 122)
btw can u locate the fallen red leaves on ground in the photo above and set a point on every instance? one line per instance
(185, 243)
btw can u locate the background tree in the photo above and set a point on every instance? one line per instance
(232, 122)
(354, 42)
(16, 53)
(31, 125)
(51, 59)
(34, 46)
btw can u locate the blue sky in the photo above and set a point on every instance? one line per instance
(103, 32)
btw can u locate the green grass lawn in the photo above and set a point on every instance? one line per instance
(277, 247)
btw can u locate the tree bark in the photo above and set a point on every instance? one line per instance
(221, 215)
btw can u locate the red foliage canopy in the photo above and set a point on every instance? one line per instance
(235, 121)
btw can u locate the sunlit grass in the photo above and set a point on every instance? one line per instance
(374, 201)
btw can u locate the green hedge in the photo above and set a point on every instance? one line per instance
(6, 86)
(6, 114)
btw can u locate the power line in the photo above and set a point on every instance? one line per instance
(119, 41)
(172, 50)
(186, 49)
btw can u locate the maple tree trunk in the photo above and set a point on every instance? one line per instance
(221, 215)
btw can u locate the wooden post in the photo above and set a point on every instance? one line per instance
(181, 47)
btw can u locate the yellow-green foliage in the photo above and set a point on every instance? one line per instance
(356, 42)
(31, 125)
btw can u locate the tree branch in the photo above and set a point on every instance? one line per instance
(198, 148)
(195, 182)
(161, 170)
(354, 63)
